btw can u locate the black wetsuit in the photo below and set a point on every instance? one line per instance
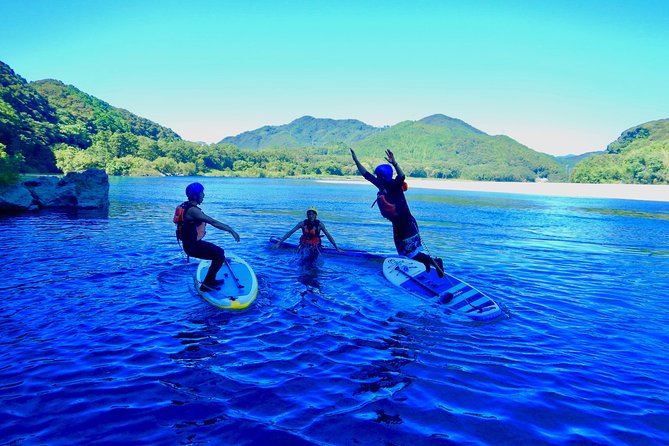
(404, 224)
(201, 249)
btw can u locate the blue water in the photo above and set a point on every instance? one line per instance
(105, 341)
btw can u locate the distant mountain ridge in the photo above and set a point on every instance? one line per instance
(639, 155)
(306, 131)
(640, 135)
(48, 126)
(440, 120)
(437, 145)
(569, 161)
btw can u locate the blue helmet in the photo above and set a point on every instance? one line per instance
(193, 191)
(384, 170)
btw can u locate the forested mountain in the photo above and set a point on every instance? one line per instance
(48, 126)
(76, 109)
(306, 131)
(28, 124)
(437, 146)
(639, 155)
(569, 161)
(39, 120)
(444, 147)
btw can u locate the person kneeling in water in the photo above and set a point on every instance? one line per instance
(393, 206)
(191, 223)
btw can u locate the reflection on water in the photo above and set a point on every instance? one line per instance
(105, 340)
(628, 213)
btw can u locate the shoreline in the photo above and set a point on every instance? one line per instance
(642, 192)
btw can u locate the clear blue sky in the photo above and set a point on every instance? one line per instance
(558, 76)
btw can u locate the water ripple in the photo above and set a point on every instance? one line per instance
(103, 338)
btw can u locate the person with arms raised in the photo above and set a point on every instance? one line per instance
(393, 206)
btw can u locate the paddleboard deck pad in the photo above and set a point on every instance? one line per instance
(452, 293)
(331, 251)
(239, 289)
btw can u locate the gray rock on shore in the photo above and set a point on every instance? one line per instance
(82, 190)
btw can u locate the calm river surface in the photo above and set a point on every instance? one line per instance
(104, 340)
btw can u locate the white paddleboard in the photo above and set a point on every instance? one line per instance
(240, 288)
(452, 293)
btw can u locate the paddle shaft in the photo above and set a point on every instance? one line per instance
(418, 281)
(441, 297)
(239, 285)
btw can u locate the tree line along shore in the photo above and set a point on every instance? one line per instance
(47, 126)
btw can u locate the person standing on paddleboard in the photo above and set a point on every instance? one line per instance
(191, 223)
(310, 241)
(393, 206)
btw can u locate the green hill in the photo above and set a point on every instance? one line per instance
(437, 146)
(48, 126)
(28, 124)
(640, 155)
(39, 119)
(569, 161)
(75, 108)
(443, 147)
(306, 131)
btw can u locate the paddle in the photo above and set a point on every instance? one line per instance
(239, 285)
(443, 299)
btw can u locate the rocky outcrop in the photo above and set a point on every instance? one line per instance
(16, 199)
(83, 190)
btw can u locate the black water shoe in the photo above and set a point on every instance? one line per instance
(205, 287)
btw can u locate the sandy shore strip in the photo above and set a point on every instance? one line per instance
(616, 191)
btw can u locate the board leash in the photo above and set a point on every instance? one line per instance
(427, 249)
(183, 253)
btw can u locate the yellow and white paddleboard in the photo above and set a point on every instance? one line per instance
(238, 291)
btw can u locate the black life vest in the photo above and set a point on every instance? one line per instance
(388, 208)
(187, 230)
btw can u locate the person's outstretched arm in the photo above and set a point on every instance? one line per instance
(361, 168)
(327, 234)
(288, 234)
(199, 215)
(390, 157)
